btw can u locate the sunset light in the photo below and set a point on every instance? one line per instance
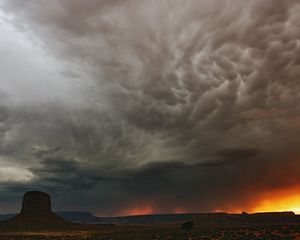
(278, 201)
(143, 210)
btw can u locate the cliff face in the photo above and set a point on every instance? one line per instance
(36, 211)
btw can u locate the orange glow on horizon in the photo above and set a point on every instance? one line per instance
(280, 201)
(148, 209)
(145, 210)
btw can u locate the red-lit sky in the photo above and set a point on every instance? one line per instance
(151, 106)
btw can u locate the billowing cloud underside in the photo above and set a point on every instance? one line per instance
(193, 103)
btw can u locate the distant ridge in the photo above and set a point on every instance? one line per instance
(261, 217)
(201, 218)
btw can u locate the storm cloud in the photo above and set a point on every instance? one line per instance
(126, 104)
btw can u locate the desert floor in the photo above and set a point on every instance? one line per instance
(268, 232)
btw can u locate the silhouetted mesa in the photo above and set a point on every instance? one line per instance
(36, 202)
(36, 211)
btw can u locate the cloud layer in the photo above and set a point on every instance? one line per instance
(156, 102)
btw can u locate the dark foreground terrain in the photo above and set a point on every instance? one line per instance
(173, 231)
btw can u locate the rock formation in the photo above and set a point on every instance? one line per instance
(36, 211)
(36, 202)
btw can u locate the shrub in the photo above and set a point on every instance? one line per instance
(188, 225)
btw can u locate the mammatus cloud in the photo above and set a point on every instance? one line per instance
(195, 104)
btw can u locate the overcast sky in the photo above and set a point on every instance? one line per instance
(146, 106)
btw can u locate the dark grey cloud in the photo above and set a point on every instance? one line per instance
(169, 102)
